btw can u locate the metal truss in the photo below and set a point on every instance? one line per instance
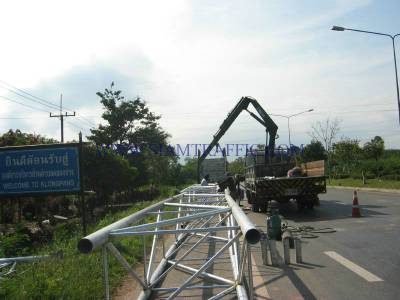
(197, 216)
(8, 265)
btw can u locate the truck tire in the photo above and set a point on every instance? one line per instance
(254, 204)
(301, 203)
(316, 200)
(310, 204)
(248, 196)
(254, 207)
(264, 207)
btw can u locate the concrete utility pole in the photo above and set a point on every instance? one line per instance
(61, 116)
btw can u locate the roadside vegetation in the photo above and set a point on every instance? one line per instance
(370, 183)
(75, 275)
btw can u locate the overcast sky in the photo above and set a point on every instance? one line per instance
(193, 60)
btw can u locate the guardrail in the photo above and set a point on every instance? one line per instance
(199, 214)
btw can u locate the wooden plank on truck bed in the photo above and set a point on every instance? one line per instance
(314, 168)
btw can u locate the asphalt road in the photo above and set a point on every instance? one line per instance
(361, 260)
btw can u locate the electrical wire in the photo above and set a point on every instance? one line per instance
(40, 100)
(33, 108)
(24, 104)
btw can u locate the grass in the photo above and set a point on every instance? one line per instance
(77, 275)
(371, 183)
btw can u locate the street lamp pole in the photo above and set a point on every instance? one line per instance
(288, 121)
(393, 37)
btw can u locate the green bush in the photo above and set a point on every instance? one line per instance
(16, 243)
(341, 176)
(391, 177)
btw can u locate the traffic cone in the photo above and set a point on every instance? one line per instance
(355, 212)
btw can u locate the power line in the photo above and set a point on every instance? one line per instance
(39, 100)
(24, 104)
(19, 118)
(52, 106)
(28, 106)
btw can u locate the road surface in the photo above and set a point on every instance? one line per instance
(359, 261)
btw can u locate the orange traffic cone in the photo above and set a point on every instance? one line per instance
(355, 213)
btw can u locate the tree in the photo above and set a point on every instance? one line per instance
(106, 172)
(347, 153)
(17, 138)
(314, 151)
(236, 166)
(374, 148)
(326, 133)
(131, 122)
(189, 170)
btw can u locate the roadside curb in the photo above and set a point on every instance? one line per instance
(395, 191)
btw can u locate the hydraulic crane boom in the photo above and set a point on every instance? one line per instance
(270, 127)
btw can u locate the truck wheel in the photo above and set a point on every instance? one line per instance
(316, 201)
(264, 208)
(300, 203)
(248, 196)
(254, 207)
(310, 205)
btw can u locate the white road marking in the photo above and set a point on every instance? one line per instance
(353, 267)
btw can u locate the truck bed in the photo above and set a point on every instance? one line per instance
(272, 188)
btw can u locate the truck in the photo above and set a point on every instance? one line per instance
(215, 168)
(266, 171)
(265, 182)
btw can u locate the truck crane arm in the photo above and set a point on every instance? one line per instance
(264, 119)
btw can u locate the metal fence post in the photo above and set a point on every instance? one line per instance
(264, 249)
(274, 252)
(105, 270)
(286, 250)
(250, 270)
(299, 256)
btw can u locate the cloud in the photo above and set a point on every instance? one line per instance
(79, 86)
(192, 61)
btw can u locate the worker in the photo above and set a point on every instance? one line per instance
(205, 180)
(295, 172)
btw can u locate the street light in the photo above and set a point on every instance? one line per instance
(288, 120)
(339, 28)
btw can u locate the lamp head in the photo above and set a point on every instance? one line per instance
(338, 28)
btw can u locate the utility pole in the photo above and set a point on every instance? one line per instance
(61, 116)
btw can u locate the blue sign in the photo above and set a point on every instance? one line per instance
(41, 169)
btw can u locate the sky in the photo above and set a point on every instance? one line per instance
(192, 61)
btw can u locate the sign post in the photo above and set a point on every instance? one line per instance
(82, 190)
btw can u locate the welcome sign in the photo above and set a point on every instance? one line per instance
(42, 169)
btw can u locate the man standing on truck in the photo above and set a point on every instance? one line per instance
(205, 180)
